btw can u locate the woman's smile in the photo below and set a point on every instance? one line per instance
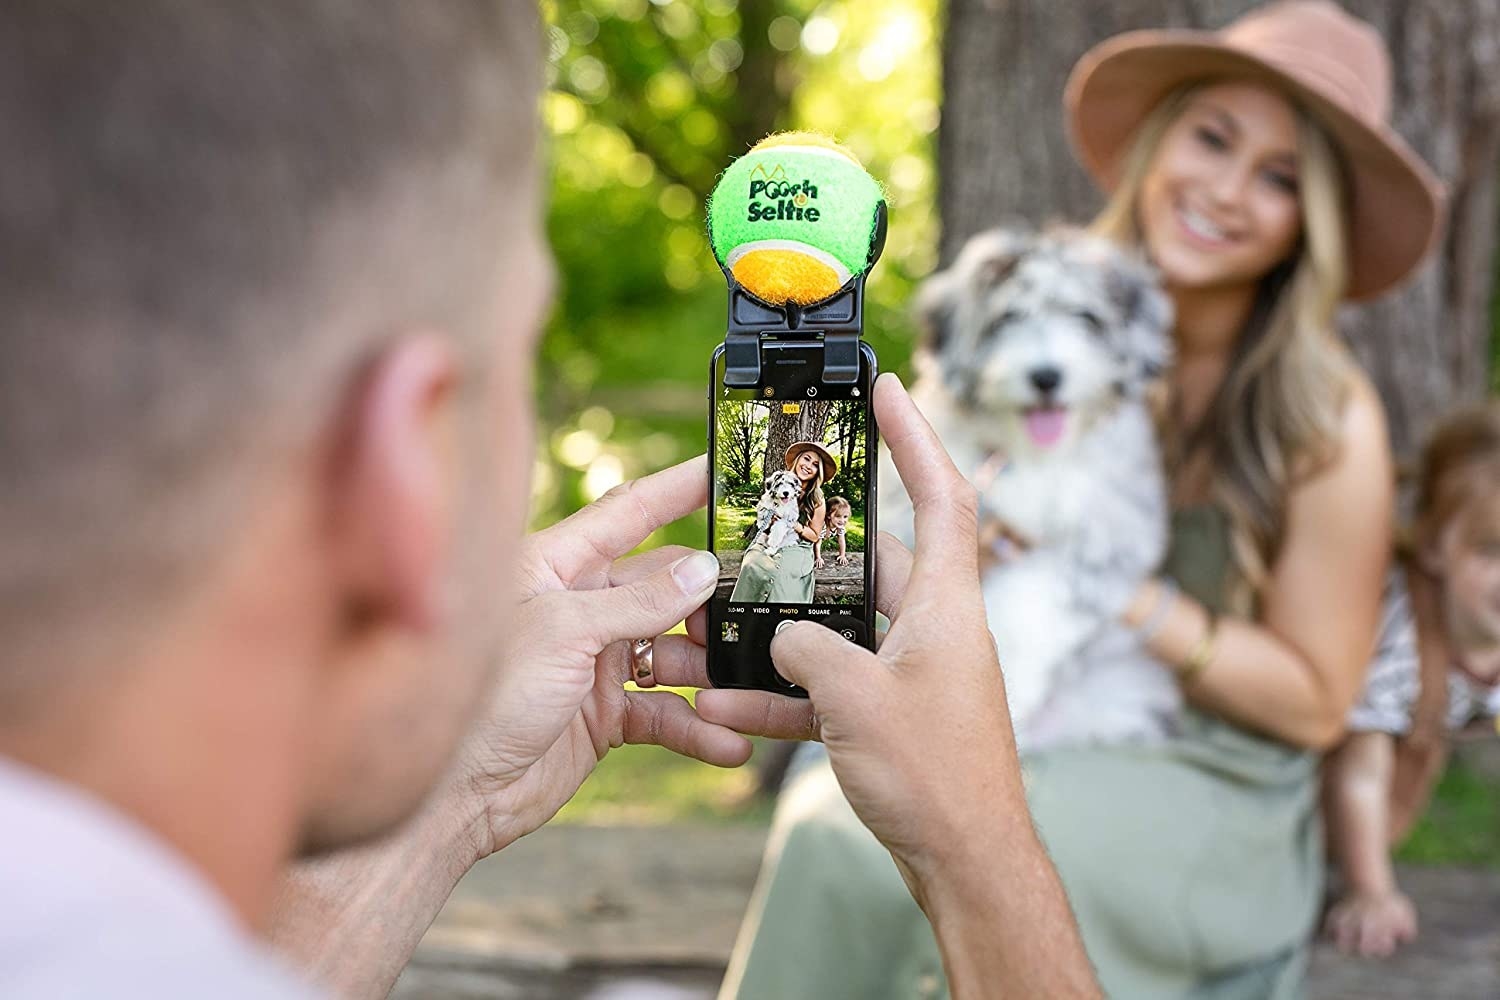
(1200, 230)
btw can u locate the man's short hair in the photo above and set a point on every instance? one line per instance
(210, 212)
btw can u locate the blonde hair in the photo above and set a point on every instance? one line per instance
(837, 504)
(1275, 415)
(812, 492)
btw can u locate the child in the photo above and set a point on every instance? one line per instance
(838, 526)
(1441, 622)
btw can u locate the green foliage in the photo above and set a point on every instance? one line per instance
(648, 102)
(1461, 826)
(646, 784)
(730, 525)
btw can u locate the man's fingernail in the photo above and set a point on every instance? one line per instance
(697, 572)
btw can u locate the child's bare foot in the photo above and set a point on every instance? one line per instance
(1371, 925)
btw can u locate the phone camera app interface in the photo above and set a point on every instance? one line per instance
(790, 484)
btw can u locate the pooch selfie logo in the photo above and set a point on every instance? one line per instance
(774, 198)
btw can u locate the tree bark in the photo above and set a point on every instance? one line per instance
(1003, 156)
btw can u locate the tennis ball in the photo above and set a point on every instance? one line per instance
(795, 219)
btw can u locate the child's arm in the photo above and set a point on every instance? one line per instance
(1357, 779)
(1372, 917)
(843, 555)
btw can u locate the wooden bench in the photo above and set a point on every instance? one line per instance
(610, 913)
(830, 583)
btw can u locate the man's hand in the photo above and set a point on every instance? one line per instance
(560, 703)
(918, 733)
(919, 736)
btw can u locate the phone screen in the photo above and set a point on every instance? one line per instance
(792, 518)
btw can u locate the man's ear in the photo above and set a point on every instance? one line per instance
(391, 485)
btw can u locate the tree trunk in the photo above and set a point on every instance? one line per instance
(1003, 156)
(759, 101)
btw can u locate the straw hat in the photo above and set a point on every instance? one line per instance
(798, 447)
(1332, 64)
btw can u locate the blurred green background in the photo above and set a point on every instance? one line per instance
(648, 100)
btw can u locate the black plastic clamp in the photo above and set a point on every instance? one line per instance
(836, 322)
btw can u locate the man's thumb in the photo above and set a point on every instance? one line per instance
(650, 605)
(815, 657)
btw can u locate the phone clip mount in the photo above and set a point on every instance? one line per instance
(836, 322)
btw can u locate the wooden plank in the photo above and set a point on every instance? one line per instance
(619, 912)
(1455, 957)
(830, 583)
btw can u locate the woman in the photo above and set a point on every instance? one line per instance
(1255, 168)
(787, 576)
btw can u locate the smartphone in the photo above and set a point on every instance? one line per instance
(775, 449)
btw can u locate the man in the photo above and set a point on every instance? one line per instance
(271, 277)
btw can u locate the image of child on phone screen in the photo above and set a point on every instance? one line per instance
(1436, 670)
(839, 512)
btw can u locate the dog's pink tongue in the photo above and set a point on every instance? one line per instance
(1045, 425)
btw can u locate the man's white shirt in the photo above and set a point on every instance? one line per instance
(92, 904)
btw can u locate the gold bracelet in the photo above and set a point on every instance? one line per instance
(1202, 652)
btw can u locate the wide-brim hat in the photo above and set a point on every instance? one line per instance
(830, 465)
(1330, 63)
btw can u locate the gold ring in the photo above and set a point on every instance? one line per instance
(640, 663)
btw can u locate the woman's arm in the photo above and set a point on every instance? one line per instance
(812, 531)
(1296, 672)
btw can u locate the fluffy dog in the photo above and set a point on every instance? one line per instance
(1039, 350)
(776, 514)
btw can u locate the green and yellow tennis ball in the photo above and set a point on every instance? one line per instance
(795, 219)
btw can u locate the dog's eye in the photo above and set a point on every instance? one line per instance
(1091, 319)
(1006, 318)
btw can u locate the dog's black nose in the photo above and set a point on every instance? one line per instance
(1045, 379)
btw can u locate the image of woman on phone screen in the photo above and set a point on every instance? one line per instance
(786, 577)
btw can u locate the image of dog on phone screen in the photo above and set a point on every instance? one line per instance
(779, 468)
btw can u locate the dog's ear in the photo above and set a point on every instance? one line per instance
(985, 261)
(934, 306)
(1145, 314)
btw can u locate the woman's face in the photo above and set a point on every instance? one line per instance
(806, 465)
(1219, 204)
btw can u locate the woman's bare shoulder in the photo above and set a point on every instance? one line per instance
(1358, 436)
(1357, 458)
(1362, 421)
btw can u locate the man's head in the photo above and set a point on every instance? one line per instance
(269, 279)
